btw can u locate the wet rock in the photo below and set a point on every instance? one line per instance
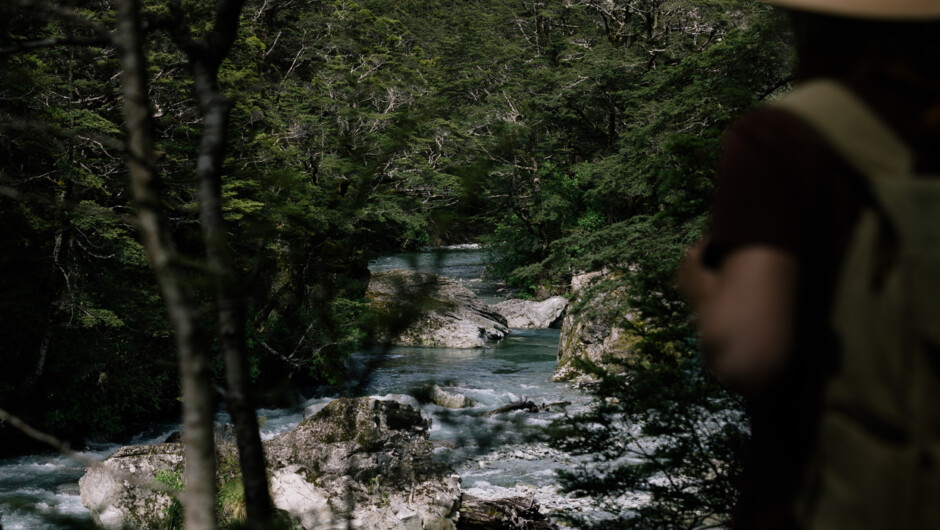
(114, 503)
(367, 460)
(175, 437)
(357, 463)
(423, 309)
(592, 334)
(449, 400)
(531, 314)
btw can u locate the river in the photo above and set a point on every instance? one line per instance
(491, 455)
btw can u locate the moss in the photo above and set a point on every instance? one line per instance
(230, 500)
(173, 514)
(231, 503)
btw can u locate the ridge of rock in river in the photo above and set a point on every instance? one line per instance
(529, 314)
(424, 309)
(592, 334)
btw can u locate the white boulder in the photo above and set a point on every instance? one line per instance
(531, 314)
(423, 309)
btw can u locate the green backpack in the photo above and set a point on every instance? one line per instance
(877, 461)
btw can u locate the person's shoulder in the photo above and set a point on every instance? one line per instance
(773, 126)
(775, 134)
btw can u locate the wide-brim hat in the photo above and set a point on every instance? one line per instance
(899, 10)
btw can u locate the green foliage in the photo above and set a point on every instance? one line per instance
(665, 427)
(173, 514)
(570, 136)
(230, 500)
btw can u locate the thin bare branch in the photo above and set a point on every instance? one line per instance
(66, 13)
(65, 450)
(45, 129)
(53, 42)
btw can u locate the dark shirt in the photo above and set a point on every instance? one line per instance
(781, 185)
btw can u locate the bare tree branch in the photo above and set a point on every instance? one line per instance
(65, 450)
(27, 45)
(205, 56)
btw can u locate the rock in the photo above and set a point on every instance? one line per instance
(529, 314)
(445, 399)
(113, 503)
(580, 281)
(512, 513)
(424, 309)
(175, 437)
(592, 334)
(366, 458)
(359, 461)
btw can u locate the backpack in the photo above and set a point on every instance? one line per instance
(877, 462)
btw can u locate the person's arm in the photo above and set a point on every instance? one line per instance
(746, 313)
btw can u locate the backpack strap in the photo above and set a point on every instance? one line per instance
(851, 128)
(877, 462)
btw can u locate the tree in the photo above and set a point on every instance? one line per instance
(205, 56)
(661, 424)
(175, 274)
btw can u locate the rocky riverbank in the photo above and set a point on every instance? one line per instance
(505, 371)
(361, 462)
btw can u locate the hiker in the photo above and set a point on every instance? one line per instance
(817, 286)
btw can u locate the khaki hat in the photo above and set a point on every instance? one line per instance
(899, 10)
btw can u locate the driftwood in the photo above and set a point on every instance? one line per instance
(512, 513)
(526, 406)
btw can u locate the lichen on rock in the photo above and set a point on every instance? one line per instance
(359, 461)
(115, 503)
(594, 334)
(367, 460)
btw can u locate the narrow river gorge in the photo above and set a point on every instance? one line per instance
(491, 454)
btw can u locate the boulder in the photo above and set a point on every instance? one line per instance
(424, 309)
(366, 458)
(592, 334)
(530, 314)
(357, 463)
(115, 503)
(449, 400)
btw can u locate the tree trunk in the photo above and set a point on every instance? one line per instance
(229, 296)
(205, 57)
(195, 372)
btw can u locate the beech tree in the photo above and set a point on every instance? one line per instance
(205, 55)
(176, 274)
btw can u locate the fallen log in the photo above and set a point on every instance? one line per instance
(511, 513)
(522, 404)
(543, 407)
(525, 405)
